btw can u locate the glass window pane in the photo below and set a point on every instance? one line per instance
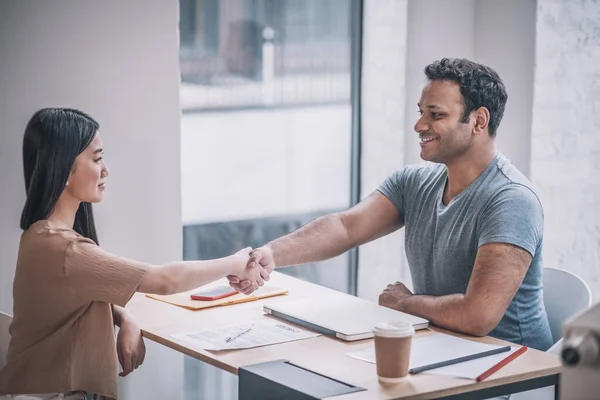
(266, 133)
(266, 126)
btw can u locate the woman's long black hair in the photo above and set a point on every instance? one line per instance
(54, 137)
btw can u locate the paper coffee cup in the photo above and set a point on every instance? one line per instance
(392, 350)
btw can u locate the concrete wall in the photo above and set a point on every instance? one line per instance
(565, 156)
(118, 61)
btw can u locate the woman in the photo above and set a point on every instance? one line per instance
(67, 291)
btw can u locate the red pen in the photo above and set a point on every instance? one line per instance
(501, 364)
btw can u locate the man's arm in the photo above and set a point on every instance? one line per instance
(497, 274)
(332, 235)
(325, 237)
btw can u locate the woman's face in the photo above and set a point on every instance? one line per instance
(87, 180)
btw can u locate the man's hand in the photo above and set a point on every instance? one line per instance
(130, 346)
(262, 263)
(393, 296)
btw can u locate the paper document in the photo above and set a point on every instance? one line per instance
(264, 332)
(438, 347)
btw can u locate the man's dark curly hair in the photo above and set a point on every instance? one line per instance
(480, 86)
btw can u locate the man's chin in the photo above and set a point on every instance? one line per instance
(426, 156)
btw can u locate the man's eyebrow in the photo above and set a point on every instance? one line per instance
(430, 106)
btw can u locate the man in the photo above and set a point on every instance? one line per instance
(473, 224)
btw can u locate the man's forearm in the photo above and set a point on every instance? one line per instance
(321, 239)
(450, 312)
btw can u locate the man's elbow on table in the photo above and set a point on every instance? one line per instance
(481, 322)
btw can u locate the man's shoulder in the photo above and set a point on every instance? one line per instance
(508, 180)
(413, 176)
(421, 173)
(511, 173)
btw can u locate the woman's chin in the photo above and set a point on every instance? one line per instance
(95, 199)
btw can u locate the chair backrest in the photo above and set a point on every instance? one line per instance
(5, 321)
(565, 294)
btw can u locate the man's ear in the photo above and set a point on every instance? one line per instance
(481, 116)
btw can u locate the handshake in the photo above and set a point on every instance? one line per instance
(255, 268)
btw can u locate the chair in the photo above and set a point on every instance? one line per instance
(565, 294)
(5, 321)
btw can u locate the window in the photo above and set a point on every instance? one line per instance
(267, 133)
(266, 126)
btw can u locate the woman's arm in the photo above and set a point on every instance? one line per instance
(186, 275)
(131, 349)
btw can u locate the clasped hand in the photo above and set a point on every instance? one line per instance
(258, 268)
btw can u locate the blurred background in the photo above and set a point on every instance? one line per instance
(230, 123)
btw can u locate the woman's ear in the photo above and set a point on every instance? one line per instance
(70, 175)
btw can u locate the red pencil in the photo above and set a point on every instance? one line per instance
(501, 364)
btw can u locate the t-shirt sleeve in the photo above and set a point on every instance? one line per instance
(514, 216)
(393, 189)
(96, 275)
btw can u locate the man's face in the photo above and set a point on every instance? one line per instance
(443, 138)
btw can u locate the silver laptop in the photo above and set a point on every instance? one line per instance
(339, 315)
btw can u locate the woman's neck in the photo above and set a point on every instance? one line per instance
(64, 212)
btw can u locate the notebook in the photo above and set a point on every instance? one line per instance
(184, 300)
(339, 315)
(438, 347)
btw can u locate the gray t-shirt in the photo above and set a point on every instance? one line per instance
(442, 240)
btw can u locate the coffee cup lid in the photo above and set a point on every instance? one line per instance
(394, 329)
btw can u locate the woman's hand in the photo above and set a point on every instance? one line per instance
(130, 345)
(251, 276)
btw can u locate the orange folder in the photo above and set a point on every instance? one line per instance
(184, 300)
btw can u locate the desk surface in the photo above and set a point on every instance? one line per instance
(322, 354)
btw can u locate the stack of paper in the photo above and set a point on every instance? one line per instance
(438, 347)
(263, 332)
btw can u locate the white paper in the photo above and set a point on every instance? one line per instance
(264, 332)
(473, 368)
(438, 347)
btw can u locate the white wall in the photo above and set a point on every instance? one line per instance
(565, 158)
(505, 40)
(118, 61)
(436, 29)
(383, 102)
(500, 34)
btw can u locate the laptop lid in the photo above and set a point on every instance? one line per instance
(340, 315)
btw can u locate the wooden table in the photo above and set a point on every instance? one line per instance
(327, 356)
